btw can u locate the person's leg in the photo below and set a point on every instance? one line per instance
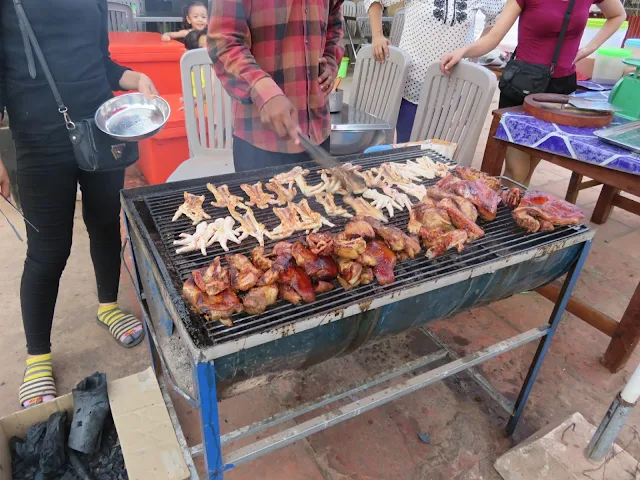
(406, 116)
(533, 163)
(101, 213)
(47, 183)
(517, 165)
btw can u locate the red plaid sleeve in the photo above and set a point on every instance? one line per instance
(333, 50)
(232, 59)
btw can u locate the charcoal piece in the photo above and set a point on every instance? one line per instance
(91, 406)
(28, 450)
(78, 465)
(52, 457)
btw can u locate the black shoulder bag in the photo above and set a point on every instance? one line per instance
(520, 79)
(94, 150)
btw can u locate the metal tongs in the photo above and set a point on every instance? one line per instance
(329, 162)
(15, 230)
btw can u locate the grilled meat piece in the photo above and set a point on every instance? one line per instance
(393, 237)
(217, 307)
(285, 194)
(411, 246)
(282, 262)
(542, 211)
(257, 196)
(512, 197)
(464, 205)
(309, 220)
(223, 197)
(425, 214)
(350, 272)
(289, 294)
(290, 176)
(296, 278)
(288, 223)
(212, 280)
(320, 243)
(471, 174)
(364, 208)
(438, 242)
(349, 247)
(477, 192)
(259, 298)
(260, 259)
(192, 209)
(320, 268)
(382, 259)
(359, 227)
(281, 248)
(367, 276)
(244, 275)
(327, 201)
(309, 190)
(323, 287)
(249, 226)
(460, 220)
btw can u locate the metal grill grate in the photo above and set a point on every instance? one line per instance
(503, 238)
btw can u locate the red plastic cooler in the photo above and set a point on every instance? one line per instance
(145, 52)
(161, 154)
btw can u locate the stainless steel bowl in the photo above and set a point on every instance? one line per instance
(132, 117)
(335, 101)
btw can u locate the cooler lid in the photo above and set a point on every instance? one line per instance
(142, 43)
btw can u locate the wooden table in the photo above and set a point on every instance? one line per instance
(625, 335)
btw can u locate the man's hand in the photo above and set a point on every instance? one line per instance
(5, 184)
(327, 77)
(279, 115)
(380, 48)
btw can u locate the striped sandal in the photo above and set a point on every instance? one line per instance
(38, 385)
(124, 328)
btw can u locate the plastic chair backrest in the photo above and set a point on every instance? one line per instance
(360, 10)
(396, 27)
(454, 108)
(349, 9)
(208, 114)
(120, 17)
(377, 88)
(364, 26)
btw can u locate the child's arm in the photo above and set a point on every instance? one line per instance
(167, 37)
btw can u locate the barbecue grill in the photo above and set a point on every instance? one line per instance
(228, 360)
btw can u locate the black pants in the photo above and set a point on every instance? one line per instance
(247, 157)
(47, 181)
(562, 85)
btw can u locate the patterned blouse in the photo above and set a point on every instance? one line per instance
(435, 27)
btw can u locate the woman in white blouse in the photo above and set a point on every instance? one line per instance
(431, 28)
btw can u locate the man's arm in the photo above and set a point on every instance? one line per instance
(235, 66)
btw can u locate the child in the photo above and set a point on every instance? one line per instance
(194, 17)
(196, 39)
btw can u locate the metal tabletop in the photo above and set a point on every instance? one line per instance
(353, 131)
(353, 119)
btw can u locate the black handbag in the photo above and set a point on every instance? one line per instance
(94, 150)
(520, 79)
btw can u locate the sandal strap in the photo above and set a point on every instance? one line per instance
(37, 388)
(123, 324)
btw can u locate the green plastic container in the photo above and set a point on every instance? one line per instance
(608, 67)
(344, 66)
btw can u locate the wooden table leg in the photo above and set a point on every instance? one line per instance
(626, 337)
(574, 188)
(494, 152)
(604, 204)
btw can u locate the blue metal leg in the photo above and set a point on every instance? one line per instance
(543, 346)
(205, 385)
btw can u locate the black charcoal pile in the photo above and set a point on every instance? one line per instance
(87, 450)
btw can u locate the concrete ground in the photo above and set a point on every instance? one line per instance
(464, 425)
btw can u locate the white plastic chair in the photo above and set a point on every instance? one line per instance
(397, 25)
(208, 119)
(364, 28)
(349, 9)
(454, 108)
(121, 17)
(377, 88)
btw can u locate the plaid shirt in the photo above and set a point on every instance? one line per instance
(282, 40)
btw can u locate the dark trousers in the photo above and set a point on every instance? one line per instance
(406, 117)
(247, 157)
(47, 181)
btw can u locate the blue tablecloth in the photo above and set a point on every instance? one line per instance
(578, 143)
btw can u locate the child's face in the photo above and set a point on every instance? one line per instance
(202, 41)
(197, 17)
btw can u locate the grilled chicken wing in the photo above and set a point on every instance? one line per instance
(317, 267)
(382, 259)
(249, 226)
(327, 201)
(212, 280)
(349, 247)
(460, 220)
(364, 208)
(257, 196)
(438, 242)
(223, 197)
(289, 294)
(320, 243)
(259, 298)
(217, 307)
(192, 209)
(285, 194)
(471, 174)
(260, 259)
(542, 211)
(244, 275)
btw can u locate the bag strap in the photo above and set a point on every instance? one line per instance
(563, 31)
(25, 27)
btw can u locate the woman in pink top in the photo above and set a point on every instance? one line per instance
(538, 30)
